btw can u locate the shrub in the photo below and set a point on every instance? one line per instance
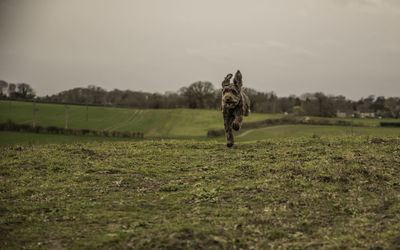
(390, 124)
(11, 126)
(285, 120)
(126, 134)
(85, 131)
(52, 130)
(215, 133)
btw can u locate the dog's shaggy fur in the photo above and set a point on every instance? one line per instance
(235, 105)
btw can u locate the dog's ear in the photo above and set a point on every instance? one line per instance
(227, 80)
(238, 79)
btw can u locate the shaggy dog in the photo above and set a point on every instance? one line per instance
(235, 105)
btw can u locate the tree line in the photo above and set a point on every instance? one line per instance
(203, 95)
(16, 90)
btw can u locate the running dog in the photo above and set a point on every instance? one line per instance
(235, 105)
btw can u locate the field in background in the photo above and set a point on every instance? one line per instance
(282, 131)
(158, 123)
(316, 192)
(374, 122)
(293, 131)
(172, 123)
(12, 138)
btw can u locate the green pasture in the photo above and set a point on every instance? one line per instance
(300, 130)
(11, 138)
(374, 122)
(152, 122)
(280, 131)
(160, 123)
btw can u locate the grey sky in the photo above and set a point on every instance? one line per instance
(349, 47)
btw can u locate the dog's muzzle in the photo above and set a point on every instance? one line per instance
(230, 105)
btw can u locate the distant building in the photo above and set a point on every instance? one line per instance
(365, 114)
(341, 114)
(368, 115)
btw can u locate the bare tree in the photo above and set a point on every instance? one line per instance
(25, 91)
(199, 95)
(11, 90)
(3, 87)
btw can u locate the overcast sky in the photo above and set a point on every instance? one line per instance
(348, 47)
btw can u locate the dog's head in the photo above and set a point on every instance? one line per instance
(231, 92)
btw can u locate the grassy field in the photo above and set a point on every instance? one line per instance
(305, 192)
(12, 138)
(282, 131)
(293, 131)
(172, 123)
(367, 122)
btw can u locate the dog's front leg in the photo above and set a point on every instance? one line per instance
(228, 120)
(237, 122)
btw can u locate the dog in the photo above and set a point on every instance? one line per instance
(235, 105)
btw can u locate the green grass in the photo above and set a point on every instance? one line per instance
(293, 131)
(281, 131)
(160, 123)
(365, 121)
(171, 123)
(12, 138)
(306, 192)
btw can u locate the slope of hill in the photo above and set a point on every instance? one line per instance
(156, 123)
(299, 130)
(152, 122)
(327, 192)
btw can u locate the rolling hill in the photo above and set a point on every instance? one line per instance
(166, 123)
